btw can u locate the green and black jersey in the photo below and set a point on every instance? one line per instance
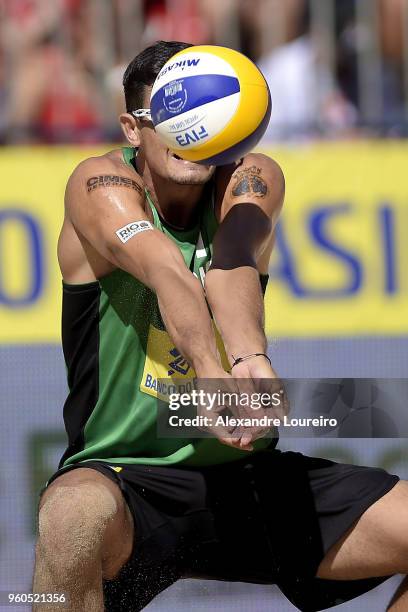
(116, 348)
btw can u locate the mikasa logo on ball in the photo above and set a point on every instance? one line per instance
(175, 97)
(182, 64)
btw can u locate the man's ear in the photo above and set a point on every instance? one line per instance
(129, 127)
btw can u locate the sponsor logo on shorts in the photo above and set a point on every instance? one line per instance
(131, 229)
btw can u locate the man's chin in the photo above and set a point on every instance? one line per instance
(186, 172)
(192, 176)
(190, 179)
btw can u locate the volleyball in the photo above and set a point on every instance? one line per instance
(210, 104)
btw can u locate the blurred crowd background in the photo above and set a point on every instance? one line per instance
(336, 68)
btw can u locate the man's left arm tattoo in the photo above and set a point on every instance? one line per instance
(249, 182)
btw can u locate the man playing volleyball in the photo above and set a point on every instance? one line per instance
(128, 513)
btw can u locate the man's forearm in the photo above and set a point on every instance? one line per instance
(187, 319)
(236, 301)
(180, 297)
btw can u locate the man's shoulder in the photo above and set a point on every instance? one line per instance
(262, 162)
(111, 164)
(252, 162)
(108, 171)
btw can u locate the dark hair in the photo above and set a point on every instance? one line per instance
(144, 68)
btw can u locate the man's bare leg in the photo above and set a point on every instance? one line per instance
(85, 535)
(377, 545)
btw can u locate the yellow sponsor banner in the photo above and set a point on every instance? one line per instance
(341, 249)
(32, 188)
(339, 266)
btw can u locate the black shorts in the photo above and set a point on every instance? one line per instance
(268, 519)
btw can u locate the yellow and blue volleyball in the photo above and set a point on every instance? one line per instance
(210, 104)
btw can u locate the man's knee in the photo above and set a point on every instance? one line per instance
(78, 517)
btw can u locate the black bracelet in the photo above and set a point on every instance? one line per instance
(245, 357)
